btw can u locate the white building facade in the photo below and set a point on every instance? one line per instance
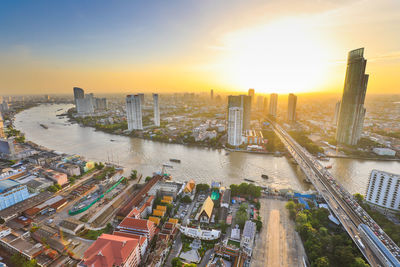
(235, 126)
(156, 110)
(134, 112)
(383, 190)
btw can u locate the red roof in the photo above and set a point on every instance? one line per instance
(141, 238)
(109, 250)
(136, 223)
(134, 213)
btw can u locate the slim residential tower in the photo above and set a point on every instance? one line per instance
(273, 104)
(134, 112)
(156, 110)
(244, 102)
(235, 122)
(292, 102)
(352, 111)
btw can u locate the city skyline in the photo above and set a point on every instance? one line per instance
(60, 45)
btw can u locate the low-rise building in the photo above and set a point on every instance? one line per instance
(384, 151)
(247, 241)
(138, 226)
(112, 250)
(12, 192)
(71, 226)
(206, 210)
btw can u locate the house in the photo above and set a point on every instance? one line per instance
(142, 240)
(206, 210)
(112, 250)
(189, 186)
(71, 226)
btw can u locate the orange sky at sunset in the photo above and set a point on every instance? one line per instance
(272, 46)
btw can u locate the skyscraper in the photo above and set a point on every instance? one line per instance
(156, 110)
(273, 104)
(337, 110)
(260, 103)
(78, 93)
(235, 122)
(352, 111)
(251, 94)
(2, 134)
(212, 94)
(134, 112)
(265, 104)
(244, 102)
(141, 95)
(292, 102)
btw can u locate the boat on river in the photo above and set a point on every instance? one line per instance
(175, 160)
(264, 176)
(44, 126)
(249, 180)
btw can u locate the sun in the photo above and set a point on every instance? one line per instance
(284, 56)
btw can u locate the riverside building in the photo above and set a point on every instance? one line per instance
(383, 190)
(134, 112)
(352, 111)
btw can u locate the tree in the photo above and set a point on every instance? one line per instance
(186, 199)
(359, 198)
(359, 262)
(133, 174)
(202, 187)
(176, 262)
(321, 262)
(148, 178)
(2, 221)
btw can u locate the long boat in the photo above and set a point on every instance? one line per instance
(44, 126)
(249, 180)
(175, 160)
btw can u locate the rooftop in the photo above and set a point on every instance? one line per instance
(109, 250)
(7, 184)
(136, 223)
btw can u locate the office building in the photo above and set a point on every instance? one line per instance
(212, 94)
(156, 110)
(251, 94)
(352, 111)
(85, 105)
(243, 102)
(292, 102)
(141, 98)
(260, 103)
(2, 134)
(265, 105)
(12, 192)
(249, 233)
(273, 105)
(235, 122)
(134, 112)
(101, 103)
(384, 190)
(78, 93)
(337, 110)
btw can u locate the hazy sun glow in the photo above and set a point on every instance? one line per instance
(284, 56)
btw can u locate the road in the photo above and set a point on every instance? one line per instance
(339, 200)
(278, 243)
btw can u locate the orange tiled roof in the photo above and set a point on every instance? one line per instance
(109, 250)
(136, 223)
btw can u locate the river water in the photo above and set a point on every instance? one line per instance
(198, 163)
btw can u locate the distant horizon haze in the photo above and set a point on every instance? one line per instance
(186, 46)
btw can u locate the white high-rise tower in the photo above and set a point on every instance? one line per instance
(134, 112)
(235, 125)
(156, 110)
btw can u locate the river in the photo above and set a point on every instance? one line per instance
(198, 163)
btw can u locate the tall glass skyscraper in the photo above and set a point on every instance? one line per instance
(352, 111)
(156, 110)
(273, 105)
(78, 93)
(134, 112)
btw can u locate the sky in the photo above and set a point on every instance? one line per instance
(189, 45)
